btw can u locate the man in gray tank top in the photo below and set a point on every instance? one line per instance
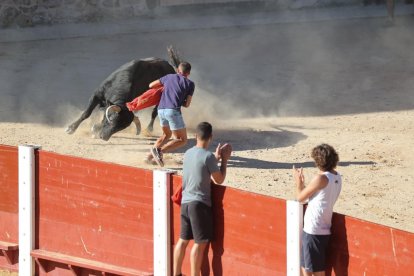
(200, 168)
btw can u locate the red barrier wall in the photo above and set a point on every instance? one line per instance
(95, 210)
(362, 248)
(251, 240)
(103, 212)
(250, 233)
(9, 207)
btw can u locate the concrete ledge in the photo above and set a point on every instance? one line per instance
(195, 21)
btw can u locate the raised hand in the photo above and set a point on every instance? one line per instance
(218, 152)
(298, 175)
(226, 150)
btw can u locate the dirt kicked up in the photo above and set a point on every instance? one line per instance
(273, 91)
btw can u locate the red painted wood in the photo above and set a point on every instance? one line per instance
(8, 201)
(75, 263)
(250, 233)
(9, 179)
(95, 210)
(8, 246)
(245, 247)
(363, 248)
(103, 212)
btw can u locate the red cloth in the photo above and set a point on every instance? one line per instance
(178, 195)
(148, 98)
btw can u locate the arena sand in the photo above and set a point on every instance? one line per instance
(272, 91)
(375, 150)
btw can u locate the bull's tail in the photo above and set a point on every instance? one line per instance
(174, 56)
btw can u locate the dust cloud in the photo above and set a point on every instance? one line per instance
(314, 69)
(303, 69)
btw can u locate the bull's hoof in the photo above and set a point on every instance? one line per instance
(147, 132)
(138, 131)
(70, 130)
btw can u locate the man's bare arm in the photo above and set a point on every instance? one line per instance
(223, 152)
(187, 101)
(155, 84)
(220, 176)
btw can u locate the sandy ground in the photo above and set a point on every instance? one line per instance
(273, 91)
(376, 157)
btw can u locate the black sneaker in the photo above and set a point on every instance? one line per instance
(157, 154)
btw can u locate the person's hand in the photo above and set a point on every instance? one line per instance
(218, 152)
(226, 150)
(298, 175)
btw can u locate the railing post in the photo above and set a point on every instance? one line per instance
(294, 226)
(161, 205)
(27, 179)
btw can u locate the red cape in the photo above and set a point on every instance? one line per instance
(148, 98)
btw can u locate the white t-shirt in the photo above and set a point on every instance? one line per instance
(318, 215)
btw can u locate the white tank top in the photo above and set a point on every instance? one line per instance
(318, 215)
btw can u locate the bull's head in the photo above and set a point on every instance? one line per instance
(115, 119)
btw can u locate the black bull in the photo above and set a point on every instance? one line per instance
(122, 86)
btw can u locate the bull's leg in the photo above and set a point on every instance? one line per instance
(137, 125)
(154, 115)
(150, 128)
(93, 102)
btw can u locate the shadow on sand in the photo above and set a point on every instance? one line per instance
(252, 163)
(248, 139)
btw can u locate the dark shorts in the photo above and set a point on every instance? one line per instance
(196, 222)
(313, 252)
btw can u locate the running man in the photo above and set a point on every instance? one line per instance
(178, 91)
(322, 192)
(199, 169)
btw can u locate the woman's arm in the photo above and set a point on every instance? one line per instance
(303, 193)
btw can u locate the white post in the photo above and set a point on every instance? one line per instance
(161, 205)
(27, 183)
(294, 225)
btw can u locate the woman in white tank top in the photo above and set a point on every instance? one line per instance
(322, 192)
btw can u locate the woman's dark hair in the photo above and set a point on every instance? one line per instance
(325, 157)
(204, 131)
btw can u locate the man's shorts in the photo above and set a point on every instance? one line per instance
(171, 118)
(196, 222)
(313, 252)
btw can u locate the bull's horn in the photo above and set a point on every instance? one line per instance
(113, 108)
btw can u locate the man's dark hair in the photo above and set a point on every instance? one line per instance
(204, 131)
(325, 157)
(185, 67)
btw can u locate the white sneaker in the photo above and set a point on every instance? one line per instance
(157, 154)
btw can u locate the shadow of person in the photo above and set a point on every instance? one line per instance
(253, 163)
(251, 139)
(338, 254)
(217, 245)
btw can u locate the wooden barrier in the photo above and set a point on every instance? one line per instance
(94, 210)
(250, 233)
(95, 217)
(8, 207)
(359, 247)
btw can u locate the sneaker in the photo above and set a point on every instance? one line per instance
(157, 154)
